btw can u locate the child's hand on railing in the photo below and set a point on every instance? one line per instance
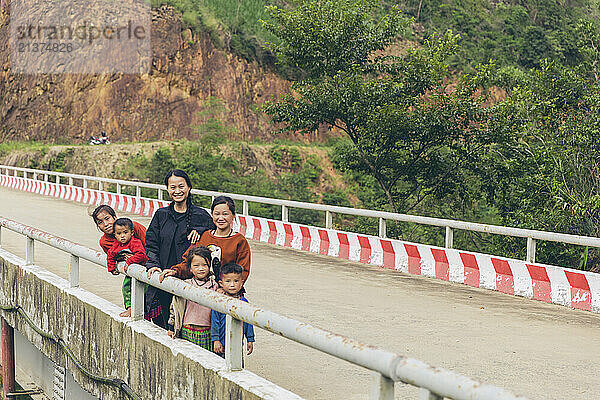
(165, 273)
(171, 334)
(114, 272)
(217, 346)
(153, 270)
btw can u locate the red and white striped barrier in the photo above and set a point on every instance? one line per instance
(121, 202)
(572, 288)
(551, 284)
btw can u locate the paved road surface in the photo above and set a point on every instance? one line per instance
(540, 350)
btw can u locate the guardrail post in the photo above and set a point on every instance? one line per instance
(74, 271)
(70, 181)
(138, 191)
(449, 238)
(530, 250)
(328, 220)
(118, 188)
(100, 185)
(85, 184)
(382, 228)
(160, 194)
(45, 177)
(425, 394)
(8, 359)
(29, 251)
(34, 175)
(245, 207)
(382, 388)
(137, 299)
(284, 214)
(233, 343)
(0, 236)
(58, 179)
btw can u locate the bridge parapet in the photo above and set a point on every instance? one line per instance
(153, 365)
(387, 367)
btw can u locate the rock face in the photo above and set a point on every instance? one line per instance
(164, 104)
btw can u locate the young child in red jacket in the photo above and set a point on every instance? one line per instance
(126, 248)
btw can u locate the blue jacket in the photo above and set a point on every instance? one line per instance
(217, 327)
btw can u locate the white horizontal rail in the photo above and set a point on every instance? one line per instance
(395, 367)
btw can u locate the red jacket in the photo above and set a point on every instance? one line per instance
(135, 245)
(139, 231)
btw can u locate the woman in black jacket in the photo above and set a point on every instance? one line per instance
(171, 231)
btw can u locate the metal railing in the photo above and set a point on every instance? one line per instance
(387, 367)
(450, 225)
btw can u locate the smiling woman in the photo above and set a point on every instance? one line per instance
(227, 245)
(171, 231)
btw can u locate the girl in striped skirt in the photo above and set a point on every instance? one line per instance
(187, 319)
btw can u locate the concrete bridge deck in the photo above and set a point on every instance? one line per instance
(540, 350)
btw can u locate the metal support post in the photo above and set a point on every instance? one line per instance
(160, 194)
(245, 207)
(530, 250)
(212, 198)
(382, 228)
(118, 188)
(138, 191)
(29, 251)
(425, 394)
(70, 181)
(284, 214)
(382, 387)
(137, 299)
(100, 185)
(449, 238)
(45, 177)
(233, 343)
(58, 179)
(0, 237)
(85, 184)
(328, 220)
(74, 271)
(34, 176)
(8, 359)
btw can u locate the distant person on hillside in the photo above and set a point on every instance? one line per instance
(190, 320)
(104, 217)
(230, 280)
(171, 231)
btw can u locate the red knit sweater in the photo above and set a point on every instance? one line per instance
(135, 245)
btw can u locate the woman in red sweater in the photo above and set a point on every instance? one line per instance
(233, 246)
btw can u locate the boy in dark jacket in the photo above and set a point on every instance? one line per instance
(230, 279)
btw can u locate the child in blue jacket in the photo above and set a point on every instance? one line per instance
(230, 279)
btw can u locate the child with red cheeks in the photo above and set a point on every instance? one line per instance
(126, 248)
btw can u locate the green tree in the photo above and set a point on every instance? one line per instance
(408, 130)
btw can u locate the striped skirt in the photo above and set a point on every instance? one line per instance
(155, 310)
(199, 335)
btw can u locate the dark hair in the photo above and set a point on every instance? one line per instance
(201, 251)
(124, 222)
(188, 212)
(106, 208)
(223, 200)
(230, 268)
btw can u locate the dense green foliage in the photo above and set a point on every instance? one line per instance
(415, 144)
